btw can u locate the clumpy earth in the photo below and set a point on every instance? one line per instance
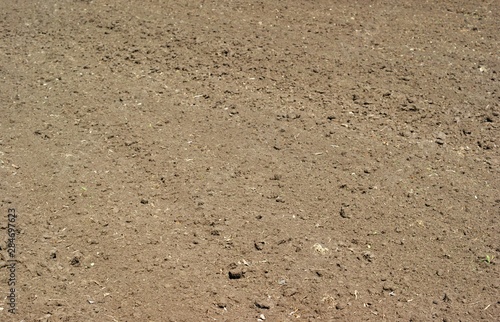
(251, 160)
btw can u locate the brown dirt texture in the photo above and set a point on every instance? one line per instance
(249, 160)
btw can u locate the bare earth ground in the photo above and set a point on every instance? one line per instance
(245, 160)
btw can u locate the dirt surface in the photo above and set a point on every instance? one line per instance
(250, 160)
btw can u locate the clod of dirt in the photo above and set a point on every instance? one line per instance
(75, 261)
(221, 303)
(53, 254)
(259, 245)
(263, 304)
(440, 138)
(129, 143)
(320, 248)
(276, 177)
(144, 201)
(289, 292)
(236, 274)
(388, 286)
(45, 318)
(344, 214)
(368, 256)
